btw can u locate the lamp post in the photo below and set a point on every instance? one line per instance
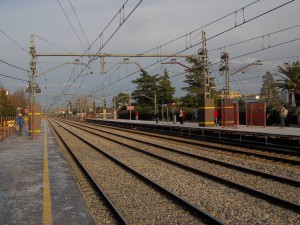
(104, 104)
(155, 106)
(225, 67)
(115, 104)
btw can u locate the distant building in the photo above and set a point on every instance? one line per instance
(236, 96)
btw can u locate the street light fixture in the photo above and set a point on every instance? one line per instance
(115, 104)
(225, 67)
(155, 106)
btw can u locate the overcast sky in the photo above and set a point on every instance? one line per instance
(272, 35)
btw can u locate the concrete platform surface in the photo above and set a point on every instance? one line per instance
(23, 187)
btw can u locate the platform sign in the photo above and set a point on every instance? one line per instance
(129, 107)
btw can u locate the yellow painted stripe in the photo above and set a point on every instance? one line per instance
(207, 107)
(29, 114)
(206, 123)
(34, 131)
(47, 218)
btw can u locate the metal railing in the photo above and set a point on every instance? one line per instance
(7, 126)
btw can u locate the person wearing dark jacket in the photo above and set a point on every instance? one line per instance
(20, 122)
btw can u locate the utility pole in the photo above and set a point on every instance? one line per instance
(225, 68)
(206, 104)
(155, 108)
(34, 108)
(129, 107)
(206, 78)
(32, 70)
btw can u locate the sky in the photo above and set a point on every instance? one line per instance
(249, 30)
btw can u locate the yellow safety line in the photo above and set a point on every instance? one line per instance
(47, 218)
(36, 131)
(206, 122)
(207, 107)
(38, 114)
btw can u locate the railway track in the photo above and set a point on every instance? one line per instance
(188, 164)
(265, 142)
(282, 155)
(219, 152)
(133, 198)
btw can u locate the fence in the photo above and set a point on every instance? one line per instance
(256, 114)
(230, 115)
(7, 124)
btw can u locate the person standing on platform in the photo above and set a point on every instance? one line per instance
(181, 116)
(216, 117)
(283, 114)
(195, 115)
(20, 122)
(137, 115)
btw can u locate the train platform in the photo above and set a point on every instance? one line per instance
(267, 137)
(292, 131)
(37, 185)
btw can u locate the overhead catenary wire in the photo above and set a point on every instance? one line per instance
(79, 23)
(210, 38)
(15, 78)
(284, 57)
(73, 28)
(49, 42)
(161, 45)
(251, 39)
(198, 29)
(263, 49)
(246, 21)
(214, 36)
(121, 23)
(14, 66)
(10, 38)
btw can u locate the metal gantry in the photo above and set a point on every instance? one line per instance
(224, 67)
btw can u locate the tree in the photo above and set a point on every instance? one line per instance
(268, 92)
(291, 80)
(121, 99)
(194, 80)
(146, 88)
(18, 99)
(165, 91)
(6, 108)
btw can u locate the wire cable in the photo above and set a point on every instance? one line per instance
(14, 66)
(79, 22)
(70, 24)
(251, 39)
(200, 28)
(272, 46)
(53, 44)
(236, 25)
(23, 49)
(13, 77)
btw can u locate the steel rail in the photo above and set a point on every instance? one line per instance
(114, 209)
(228, 165)
(192, 208)
(274, 158)
(179, 131)
(273, 199)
